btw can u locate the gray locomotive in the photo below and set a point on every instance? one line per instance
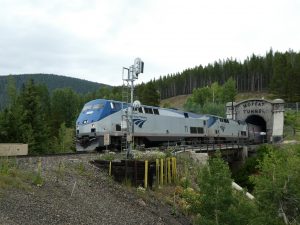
(154, 126)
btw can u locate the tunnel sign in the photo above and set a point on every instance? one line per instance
(260, 111)
(253, 107)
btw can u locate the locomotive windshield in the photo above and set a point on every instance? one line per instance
(91, 107)
(98, 106)
(86, 107)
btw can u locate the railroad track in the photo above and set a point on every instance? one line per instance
(177, 149)
(54, 155)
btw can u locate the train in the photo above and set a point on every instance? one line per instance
(154, 126)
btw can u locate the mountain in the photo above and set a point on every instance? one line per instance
(52, 81)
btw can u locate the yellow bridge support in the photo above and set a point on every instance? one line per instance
(109, 171)
(146, 174)
(165, 171)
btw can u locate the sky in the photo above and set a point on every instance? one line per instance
(95, 39)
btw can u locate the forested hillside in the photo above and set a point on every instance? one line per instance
(43, 120)
(51, 81)
(277, 73)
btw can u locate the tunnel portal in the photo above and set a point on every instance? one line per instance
(268, 114)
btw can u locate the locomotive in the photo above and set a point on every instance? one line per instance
(153, 126)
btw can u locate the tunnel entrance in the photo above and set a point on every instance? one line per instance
(258, 121)
(266, 115)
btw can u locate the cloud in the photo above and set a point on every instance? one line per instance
(94, 39)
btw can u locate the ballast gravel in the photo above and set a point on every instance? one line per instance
(75, 192)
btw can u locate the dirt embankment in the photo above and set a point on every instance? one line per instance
(75, 192)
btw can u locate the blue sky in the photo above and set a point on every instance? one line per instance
(94, 39)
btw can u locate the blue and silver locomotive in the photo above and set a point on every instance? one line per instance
(152, 126)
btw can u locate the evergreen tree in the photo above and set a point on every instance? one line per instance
(217, 202)
(64, 140)
(229, 91)
(35, 130)
(10, 120)
(216, 192)
(103, 92)
(277, 187)
(64, 108)
(148, 94)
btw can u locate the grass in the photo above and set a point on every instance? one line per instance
(249, 95)
(174, 102)
(37, 178)
(110, 156)
(60, 171)
(11, 176)
(292, 126)
(81, 169)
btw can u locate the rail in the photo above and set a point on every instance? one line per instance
(50, 155)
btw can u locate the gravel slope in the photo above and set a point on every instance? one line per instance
(78, 193)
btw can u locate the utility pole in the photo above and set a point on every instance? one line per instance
(132, 75)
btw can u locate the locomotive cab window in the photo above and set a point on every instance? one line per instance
(193, 130)
(117, 106)
(87, 107)
(97, 106)
(200, 130)
(140, 109)
(148, 110)
(186, 115)
(118, 127)
(196, 130)
(156, 112)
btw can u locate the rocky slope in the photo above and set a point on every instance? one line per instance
(75, 192)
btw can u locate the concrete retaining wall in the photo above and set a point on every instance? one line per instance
(11, 149)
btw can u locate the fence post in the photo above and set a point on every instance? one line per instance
(126, 170)
(169, 170)
(161, 171)
(157, 172)
(173, 169)
(135, 172)
(146, 174)
(166, 171)
(109, 171)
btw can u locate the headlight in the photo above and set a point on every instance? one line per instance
(93, 125)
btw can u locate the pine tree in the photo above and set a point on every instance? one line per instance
(64, 140)
(229, 91)
(64, 108)
(216, 192)
(277, 189)
(148, 94)
(10, 120)
(217, 202)
(34, 127)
